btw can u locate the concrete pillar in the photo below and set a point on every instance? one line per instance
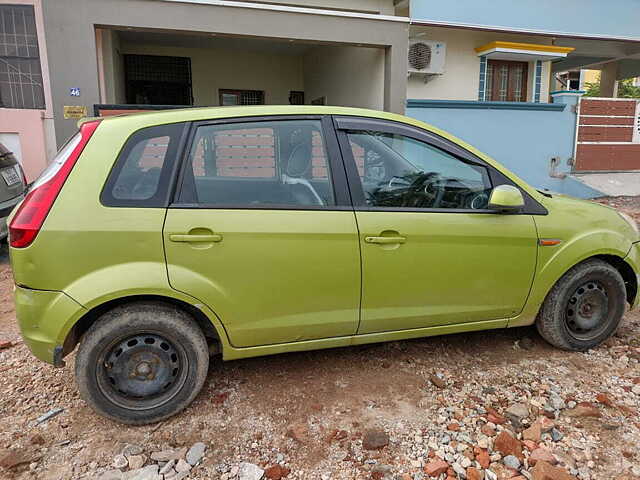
(559, 168)
(395, 78)
(609, 80)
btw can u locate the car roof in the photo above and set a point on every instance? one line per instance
(206, 113)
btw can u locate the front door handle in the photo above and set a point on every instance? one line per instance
(385, 240)
(195, 238)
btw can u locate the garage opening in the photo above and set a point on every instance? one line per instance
(156, 68)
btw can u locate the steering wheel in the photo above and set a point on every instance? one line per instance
(427, 190)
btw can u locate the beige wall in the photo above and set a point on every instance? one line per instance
(112, 90)
(214, 69)
(346, 76)
(462, 65)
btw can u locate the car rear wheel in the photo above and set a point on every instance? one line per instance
(141, 363)
(584, 308)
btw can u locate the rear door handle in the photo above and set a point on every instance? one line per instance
(195, 238)
(385, 240)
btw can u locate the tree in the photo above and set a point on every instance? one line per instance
(626, 89)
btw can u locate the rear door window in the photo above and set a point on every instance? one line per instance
(278, 164)
(142, 173)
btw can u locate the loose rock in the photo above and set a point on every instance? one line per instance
(276, 472)
(584, 410)
(533, 433)
(507, 445)
(436, 467)
(120, 461)
(136, 461)
(541, 454)
(437, 381)
(182, 466)
(168, 455)
(511, 461)
(545, 471)
(375, 439)
(195, 453)
(249, 471)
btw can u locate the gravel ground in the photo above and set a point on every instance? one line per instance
(493, 405)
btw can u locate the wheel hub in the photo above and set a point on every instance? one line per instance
(142, 366)
(587, 308)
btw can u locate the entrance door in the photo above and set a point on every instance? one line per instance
(263, 231)
(432, 253)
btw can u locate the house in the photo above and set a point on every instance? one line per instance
(484, 70)
(26, 115)
(499, 87)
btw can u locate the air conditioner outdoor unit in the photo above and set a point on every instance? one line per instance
(426, 57)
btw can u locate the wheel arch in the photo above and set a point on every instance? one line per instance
(626, 271)
(215, 339)
(551, 276)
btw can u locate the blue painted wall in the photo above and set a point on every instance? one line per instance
(598, 18)
(522, 136)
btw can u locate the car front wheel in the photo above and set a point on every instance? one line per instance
(141, 363)
(584, 308)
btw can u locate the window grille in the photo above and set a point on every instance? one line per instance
(20, 71)
(230, 97)
(158, 80)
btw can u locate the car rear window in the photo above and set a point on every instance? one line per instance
(142, 172)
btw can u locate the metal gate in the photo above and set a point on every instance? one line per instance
(608, 137)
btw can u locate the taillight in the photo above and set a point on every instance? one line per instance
(30, 216)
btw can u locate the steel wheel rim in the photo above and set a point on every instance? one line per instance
(587, 311)
(142, 371)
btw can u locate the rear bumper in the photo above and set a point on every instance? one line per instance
(42, 315)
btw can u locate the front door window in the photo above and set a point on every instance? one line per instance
(401, 172)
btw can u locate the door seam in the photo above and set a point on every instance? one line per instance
(355, 219)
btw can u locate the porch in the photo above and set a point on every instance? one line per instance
(166, 68)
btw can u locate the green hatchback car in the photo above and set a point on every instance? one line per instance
(155, 240)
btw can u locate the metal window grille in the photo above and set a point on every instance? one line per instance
(296, 97)
(489, 83)
(20, 72)
(158, 80)
(241, 97)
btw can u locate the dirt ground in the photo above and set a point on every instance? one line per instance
(490, 404)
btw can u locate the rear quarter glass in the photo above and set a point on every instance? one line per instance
(143, 172)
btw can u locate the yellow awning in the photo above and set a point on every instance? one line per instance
(524, 52)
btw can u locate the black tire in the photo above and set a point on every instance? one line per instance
(162, 352)
(584, 307)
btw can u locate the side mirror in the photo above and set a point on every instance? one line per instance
(506, 199)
